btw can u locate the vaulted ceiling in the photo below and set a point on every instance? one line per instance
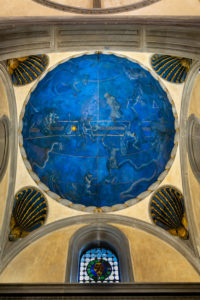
(85, 97)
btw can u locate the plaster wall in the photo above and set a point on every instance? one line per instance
(139, 210)
(152, 259)
(11, 8)
(155, 261)
(44, 261)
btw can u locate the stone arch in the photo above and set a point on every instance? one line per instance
(106, 235)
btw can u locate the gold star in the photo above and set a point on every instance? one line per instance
(73, 128)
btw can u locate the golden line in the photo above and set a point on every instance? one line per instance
(22, 75)
(180, 75)
(176, 72)
(158, 60)
(31, 206)
(163, 66)
(166, 70)
(28, 203)
(34, 219)
(163, 220)
(38, 223)
(29, 69)
(179, 197)
(36, 67)
(176, 206)
(34, 211)
(168, 75)
(29, 76)
(168, 210)
(18, 75)
(18, 207)
(39, 61)
(49, 136)
(169, 203)
(165, 213)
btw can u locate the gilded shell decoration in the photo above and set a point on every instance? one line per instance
(29, 212)
(167, 211)
(24, 70)
(171, 68)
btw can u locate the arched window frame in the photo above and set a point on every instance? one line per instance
(109, 236)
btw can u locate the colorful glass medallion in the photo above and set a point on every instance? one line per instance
(99, 269)
(99, 265)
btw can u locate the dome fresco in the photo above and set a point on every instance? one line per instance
(98, 131)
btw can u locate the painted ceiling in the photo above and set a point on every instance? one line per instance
(98, 130)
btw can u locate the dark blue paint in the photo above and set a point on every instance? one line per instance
(124, 130)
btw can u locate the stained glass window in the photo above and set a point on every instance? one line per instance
(99, 265)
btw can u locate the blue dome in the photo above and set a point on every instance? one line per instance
(98, 130)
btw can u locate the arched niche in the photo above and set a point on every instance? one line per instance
(98, 235)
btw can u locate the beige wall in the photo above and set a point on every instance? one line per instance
(45, 260)
(153, 260)
(162, 8)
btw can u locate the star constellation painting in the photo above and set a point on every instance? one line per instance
(98, 130)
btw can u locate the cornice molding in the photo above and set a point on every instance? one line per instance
(183, 21)
(178, 36)
(147, 290)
